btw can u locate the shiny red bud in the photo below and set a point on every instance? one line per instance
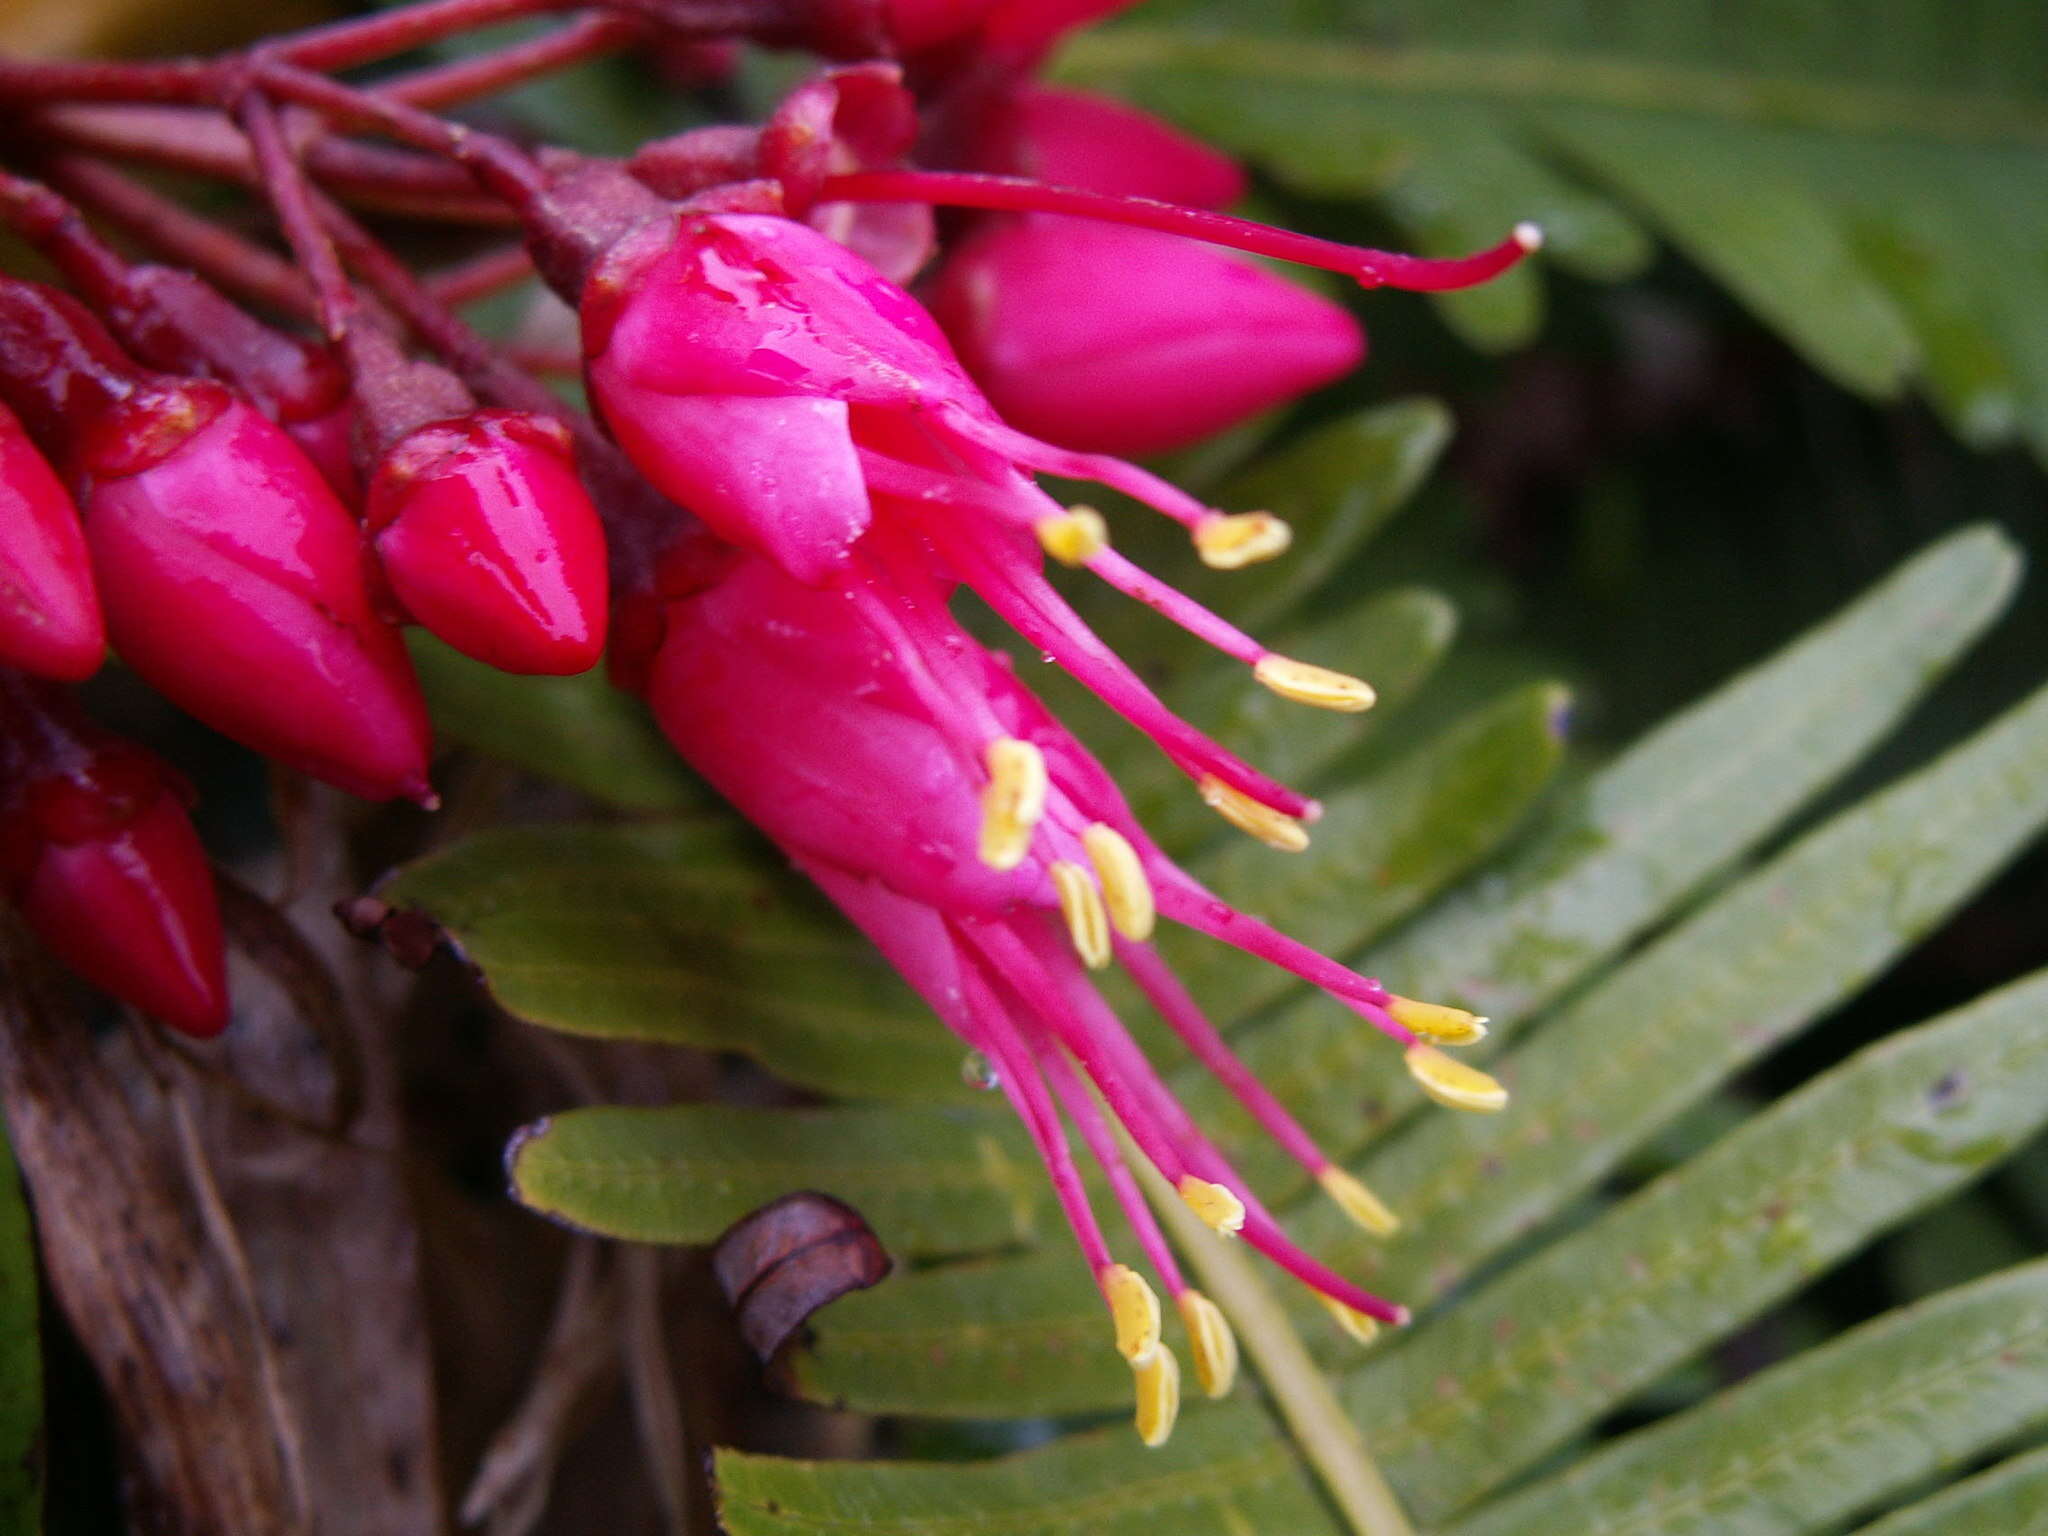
(488, 538)
(49, 614)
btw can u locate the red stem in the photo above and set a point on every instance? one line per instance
(467, 79)
(172, 230)
(1016, 194)
(486, 274)
(284, 183)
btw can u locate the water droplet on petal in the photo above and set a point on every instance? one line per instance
(977, 1071)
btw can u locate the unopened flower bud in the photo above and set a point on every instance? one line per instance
(1128, 341)
(1071, 139)
(49, 613)
(97, 853)
(488, 539)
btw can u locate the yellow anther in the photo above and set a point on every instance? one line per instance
(1316, 686)
(1219, 1209)
(1081, 906)
(1211, 1343)
(1358, 1202)
(1271, 827)
(1012, 802)
(1229, 542)
(1354, 1322)
(1074, 537)
(1158, 1381)
(1453, 1083)
(1434, 1021)
(1135, 1310)
(1126, 891)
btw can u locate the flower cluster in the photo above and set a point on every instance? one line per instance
(794, 464)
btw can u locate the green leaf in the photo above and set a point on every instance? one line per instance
(1224, 1473)
(1863, 187)
(1802, 1445)
(680, 933)
(1994, 1503)
(580, 730)
(1009, 1338)
(1642, 834)
(21, 1361)
(1657, 1035)
(927, 1180)
(1548, 1347)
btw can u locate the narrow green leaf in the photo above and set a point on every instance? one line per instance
(1734, 202)
(1384, 845)
(1657, 1035)
(1490, 1388)
(681, 933)
(1654, 825)
(1224, 1473)
(1008, 1338)
(927, 1180)
(580, 730)
(1821, 1436)
(21, 1361)
(2007, 1499)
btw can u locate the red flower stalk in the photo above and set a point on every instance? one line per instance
(97, 853)
(232, 580)
(49, 613)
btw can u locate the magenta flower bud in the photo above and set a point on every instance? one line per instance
(1072, 139)
(488, 538)
(915, 25)
(99, 856)
(49, 612)
(1182, 342)
(236, 585)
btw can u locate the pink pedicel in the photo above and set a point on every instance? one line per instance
(850, 723)
(489, 540)
(1072, 139)
(97, 853)
(1128, 341)
(49, 613)
(235, 585)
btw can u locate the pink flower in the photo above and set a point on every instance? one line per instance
(1071, 139)
(97, 853)
(994, 862)
(1130, 341)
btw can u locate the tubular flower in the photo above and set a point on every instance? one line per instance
(995, 863)
(97, 853)
(795, 399)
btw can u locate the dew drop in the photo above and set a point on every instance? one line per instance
(977, 1071)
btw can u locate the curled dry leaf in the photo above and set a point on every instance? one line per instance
(782, 1262)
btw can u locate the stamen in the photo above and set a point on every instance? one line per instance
(1158, 1381)
(1248, 815)
(1232, 541)
(1453, 1083)
(1211, 1343)
(1081, 906)
(1126, 891)
(1135, 1310)
(1358, 1202)
(1221, 1211)
(1361, 1327)
(1434, 1021)
(1175, 606)
(1012, 802)
(1313, 685)
(1074, 537)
